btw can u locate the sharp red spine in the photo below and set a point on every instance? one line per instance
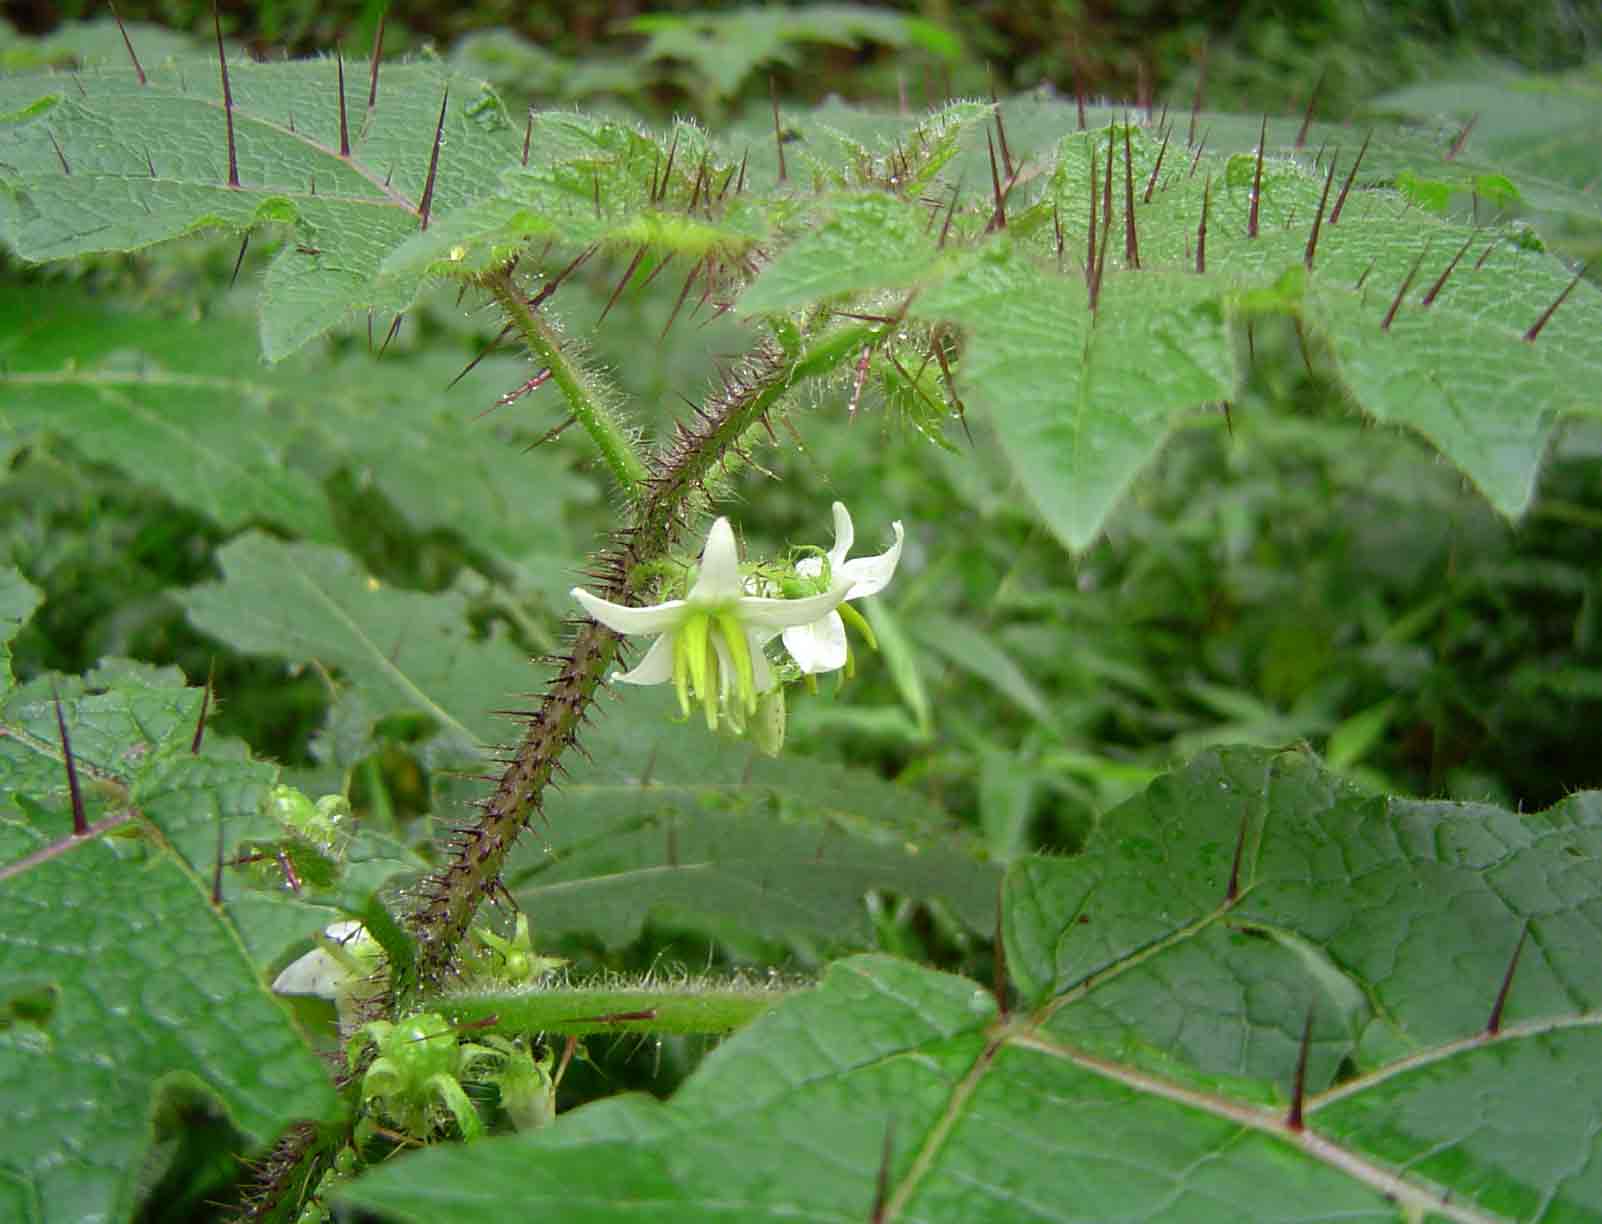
(426, 205)
(1318, 219)
(1351, 177)
(1257, 181)
(228, 101)
(80, 818)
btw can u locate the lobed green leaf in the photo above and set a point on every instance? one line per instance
(1149, 1070)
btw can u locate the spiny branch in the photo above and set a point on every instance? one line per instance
(668, 492)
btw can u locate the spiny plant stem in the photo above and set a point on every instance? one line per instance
(452, 894)
(610, 438)
(671, 485)
(670, 490)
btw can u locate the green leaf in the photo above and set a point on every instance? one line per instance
(901, 659)
(1461, 371)
(673, 823)
(591, 181)
(977, 653)
(90, 44)
(118, 716)
(1080, 403)
(1534, 132)
(1081, 400)
(169, 404)
(1006, 801)
(191, 410)
(1358, 735)
(407, 651)
(725, 48)
(119, 979)
(869, 242)
(140, 164)
(18, 599)
(1148, 1071)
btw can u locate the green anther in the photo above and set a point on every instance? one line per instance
(854, 618)
(740, 653)
(695, 641)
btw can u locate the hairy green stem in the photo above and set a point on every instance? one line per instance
(588, 408)
(579, 1010)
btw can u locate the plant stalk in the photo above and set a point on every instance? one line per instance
(588, 409)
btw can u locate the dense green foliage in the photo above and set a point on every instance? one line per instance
(1177, 519)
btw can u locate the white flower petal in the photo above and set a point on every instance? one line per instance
(844, 536)
(658, 618)
(870, 575)
(316, 973)
(655, 668)
(818, 647)
(810, 567)
(760, 614)
(719, 581)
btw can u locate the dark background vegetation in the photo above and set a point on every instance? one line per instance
(1255, 54)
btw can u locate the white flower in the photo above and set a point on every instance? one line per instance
(347, 954)
(820, 645)
(710, 642)
(346, 966)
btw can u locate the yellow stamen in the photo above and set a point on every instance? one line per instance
(681, 672)
(694, 637)
(740, 654)
(714, 681)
